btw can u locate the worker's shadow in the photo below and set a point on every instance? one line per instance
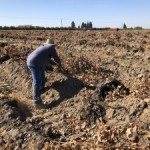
(67, 89)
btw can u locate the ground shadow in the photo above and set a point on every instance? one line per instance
(67, 89)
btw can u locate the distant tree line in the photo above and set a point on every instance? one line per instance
(137, 28)
(49, 28)
(33, 28)
(84, 26)
(87, 25)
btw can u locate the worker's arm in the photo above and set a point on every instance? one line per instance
(55, 56)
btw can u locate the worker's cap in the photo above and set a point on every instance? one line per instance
(49, 42)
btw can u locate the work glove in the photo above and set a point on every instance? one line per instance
(49, 68)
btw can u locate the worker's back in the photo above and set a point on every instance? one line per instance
(41, 56)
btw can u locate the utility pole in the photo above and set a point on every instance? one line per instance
(61, 23)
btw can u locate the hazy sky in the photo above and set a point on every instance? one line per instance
(54, 13)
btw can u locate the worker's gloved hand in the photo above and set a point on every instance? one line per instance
(49, 68)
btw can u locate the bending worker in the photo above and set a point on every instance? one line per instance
(37, 62)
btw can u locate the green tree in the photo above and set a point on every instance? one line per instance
(12, 27)
(83, 25)
(124, 26)
(73, 25)
(89, 25)
(138, 28)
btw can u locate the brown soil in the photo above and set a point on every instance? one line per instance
(101, 101)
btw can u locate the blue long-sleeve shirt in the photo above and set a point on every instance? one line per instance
(42, 55)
